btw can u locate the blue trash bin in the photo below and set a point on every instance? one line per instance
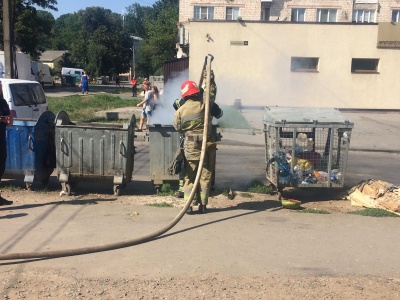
(31, 151)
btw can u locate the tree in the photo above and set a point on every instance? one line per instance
(161, 37)
(30, 28)
(64, 31)
(95, 39)
(33, 31)
(157, 26)
(134, 19)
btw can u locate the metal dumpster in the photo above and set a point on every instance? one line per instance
(306, 147)
(30, 149)
(94, 152)
(68, 80)
(164, 141)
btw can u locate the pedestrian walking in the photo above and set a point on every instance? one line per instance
(117, 81)
(149, 103)
(145, 85)
(134, 86)
(84, 83)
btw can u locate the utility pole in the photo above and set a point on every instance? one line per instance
(8, 41)
(134, 38)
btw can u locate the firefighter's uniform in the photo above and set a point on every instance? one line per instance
(189, 119)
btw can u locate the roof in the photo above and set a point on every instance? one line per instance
(52, 55)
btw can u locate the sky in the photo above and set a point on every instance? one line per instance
(118, 6)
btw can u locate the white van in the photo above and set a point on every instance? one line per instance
(73, 72)
(25, 98)
(43, 74)
(23, 66)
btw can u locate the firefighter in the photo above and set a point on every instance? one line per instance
(189, 119)
(215, 111)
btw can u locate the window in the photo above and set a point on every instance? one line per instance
(265, 13)
(364, 65)
(298, 15)
(364, 16)
(304, 64)
(203, 12)
(232, 13)
(396, 16)
(326, 15)
(27, 94)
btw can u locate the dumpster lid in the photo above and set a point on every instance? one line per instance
(24, 122)
(305, 115)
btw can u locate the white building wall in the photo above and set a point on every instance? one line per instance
(260, 73)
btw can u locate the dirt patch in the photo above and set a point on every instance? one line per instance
(49, 285)
(330, 201)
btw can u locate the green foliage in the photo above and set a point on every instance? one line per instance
(83, 108)
(246, 195)
(159, 44)
(133, 20)
(99, 40)
(162, 204)
(65, 32)
(166, 190)
(11, 187)
(313, 211)
(96, 40)
(374, 212)
(232, 118)
(258, 187)
(30, 27)
(33, 30)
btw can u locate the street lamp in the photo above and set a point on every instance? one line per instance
(133, 69)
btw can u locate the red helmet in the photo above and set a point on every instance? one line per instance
(189, 88)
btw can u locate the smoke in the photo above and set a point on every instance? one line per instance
(164, 113)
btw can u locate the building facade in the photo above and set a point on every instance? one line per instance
(335, 62)
(359, 11)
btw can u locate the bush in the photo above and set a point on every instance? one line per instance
(258, 187)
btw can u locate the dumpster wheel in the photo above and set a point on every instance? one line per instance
(66, 187)
(117, 189)
(143, 239)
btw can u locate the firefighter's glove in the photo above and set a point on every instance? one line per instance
(216, 111)
(212, 79)
(178, 103)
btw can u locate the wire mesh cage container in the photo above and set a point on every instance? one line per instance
(306, 147)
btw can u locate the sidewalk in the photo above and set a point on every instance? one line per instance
(373, 131)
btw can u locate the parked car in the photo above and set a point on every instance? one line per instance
(25, 98)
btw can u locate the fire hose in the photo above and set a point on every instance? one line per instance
(143, 239)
